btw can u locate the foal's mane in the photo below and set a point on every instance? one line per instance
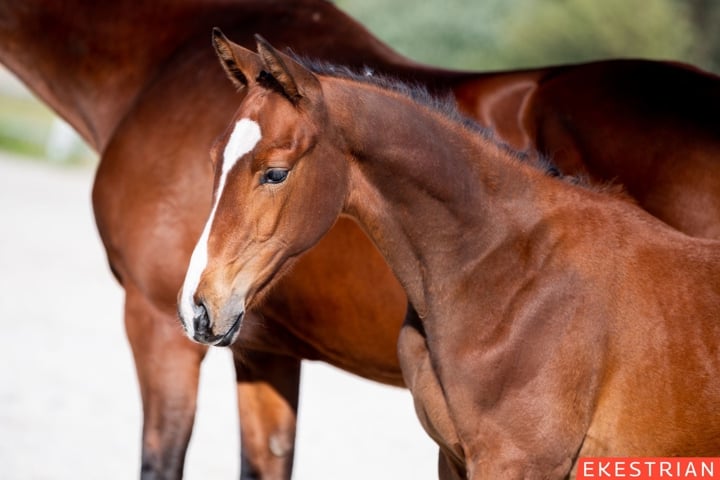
(443, 103)
(446, 105)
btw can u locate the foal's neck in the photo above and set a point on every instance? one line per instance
(434, 196)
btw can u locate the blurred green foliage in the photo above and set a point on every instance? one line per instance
(453, 33)
(497, 34)
(24, 125)
(575, 30)
(29, 129)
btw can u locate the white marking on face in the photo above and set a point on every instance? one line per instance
(243, 139)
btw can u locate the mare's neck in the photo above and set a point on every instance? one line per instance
(435, 197)
(89, 60)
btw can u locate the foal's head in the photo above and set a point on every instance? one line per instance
(273, 199)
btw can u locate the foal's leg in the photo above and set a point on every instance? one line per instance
(428, 397)
(168, 368)
(267, 386)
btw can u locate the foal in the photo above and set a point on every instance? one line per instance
(550, 321)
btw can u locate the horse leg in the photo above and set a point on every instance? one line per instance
(268, 386)
(168, 369)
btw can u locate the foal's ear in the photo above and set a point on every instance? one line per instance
(295, 80)
(239, 63)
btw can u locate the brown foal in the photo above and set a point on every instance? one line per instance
(550, 320)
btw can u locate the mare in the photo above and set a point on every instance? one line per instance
(140, 84)
(549, 321)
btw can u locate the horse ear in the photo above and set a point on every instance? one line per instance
(239, 63)
(295, 80)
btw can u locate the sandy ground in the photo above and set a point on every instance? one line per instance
(69, 401)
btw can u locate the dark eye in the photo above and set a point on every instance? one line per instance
(274, 175)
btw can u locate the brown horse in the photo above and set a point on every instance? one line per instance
(553, 321)
(140, 84)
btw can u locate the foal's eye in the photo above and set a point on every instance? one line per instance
(274, 175)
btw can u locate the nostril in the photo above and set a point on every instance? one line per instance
(201, 321)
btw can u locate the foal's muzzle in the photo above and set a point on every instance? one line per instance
(203, 331)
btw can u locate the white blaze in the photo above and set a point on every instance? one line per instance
(243, 139)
